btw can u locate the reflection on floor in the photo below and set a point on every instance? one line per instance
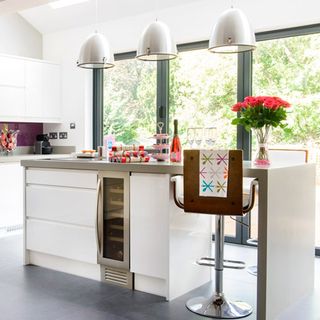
(37, 293)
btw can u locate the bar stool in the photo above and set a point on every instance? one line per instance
(217, 306)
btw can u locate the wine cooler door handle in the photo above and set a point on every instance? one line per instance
(98, 237)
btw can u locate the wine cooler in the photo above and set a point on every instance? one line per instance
(113, 228)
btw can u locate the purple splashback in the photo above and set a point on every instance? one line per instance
(28, 132)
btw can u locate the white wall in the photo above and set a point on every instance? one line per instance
(192, 22)
(19, 38)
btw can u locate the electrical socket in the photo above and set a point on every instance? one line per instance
(63, 135)
(53, 135)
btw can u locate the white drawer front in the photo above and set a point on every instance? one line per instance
(70, 205)
(72, 242)
(66, 178)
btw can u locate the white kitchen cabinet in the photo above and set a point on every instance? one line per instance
(42, 87)
(74, 206)
(30, 90)
(64, 178)
(63, 225)
(33, 90)
(165, 242)
(62, 240)
(61, 208)
(149, 224)
(12, 103)
(12, 84)
(11, 191)
(12, 71)
(51, 98)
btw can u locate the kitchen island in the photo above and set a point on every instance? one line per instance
(164, 241)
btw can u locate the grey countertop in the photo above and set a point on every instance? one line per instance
(25, 153)
(151, 167)
(103, 165)
(20, 157)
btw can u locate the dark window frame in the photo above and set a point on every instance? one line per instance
(97, 108)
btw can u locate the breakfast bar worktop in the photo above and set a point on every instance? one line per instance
(165, 241)
(148, 167)
(95, 164)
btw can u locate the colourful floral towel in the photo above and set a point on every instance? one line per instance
(213, 175)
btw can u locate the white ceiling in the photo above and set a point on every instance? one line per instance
(48, 20)
(9, 6)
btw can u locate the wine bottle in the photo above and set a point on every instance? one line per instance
(175, 149)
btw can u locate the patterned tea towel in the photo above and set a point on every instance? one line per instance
(213, 175)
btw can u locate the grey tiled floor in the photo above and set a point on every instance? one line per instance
(34, 293)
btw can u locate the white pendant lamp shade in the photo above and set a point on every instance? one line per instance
(95, 53)
(232, 33)
(156, 43)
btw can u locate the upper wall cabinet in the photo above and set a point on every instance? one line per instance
(12, 72)
(51, 91)
(12, 88)
(29, 90)
(33, 89)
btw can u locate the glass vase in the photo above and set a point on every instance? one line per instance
(8, 141)
(262, 155)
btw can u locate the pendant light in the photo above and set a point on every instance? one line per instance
(232, 33)
(95, 53)
(156, 43)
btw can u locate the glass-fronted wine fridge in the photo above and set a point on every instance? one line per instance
(113, 227)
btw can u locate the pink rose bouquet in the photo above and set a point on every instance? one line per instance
(260, 111)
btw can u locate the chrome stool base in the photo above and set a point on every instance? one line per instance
(219, 307)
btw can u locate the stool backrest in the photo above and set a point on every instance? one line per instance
(231, 205)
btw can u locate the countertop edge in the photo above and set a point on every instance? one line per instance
(162, 168)
(151, 167)
(30, 157)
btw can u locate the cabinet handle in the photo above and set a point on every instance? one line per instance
(98, 238)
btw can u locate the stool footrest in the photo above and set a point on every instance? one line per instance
(229, 264)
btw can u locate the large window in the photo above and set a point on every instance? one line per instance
(203, 87)
(130, 101)
(290, 68)
(198, 88)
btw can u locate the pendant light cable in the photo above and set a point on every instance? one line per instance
(95, 53)
(157, 10)
(96, 16)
